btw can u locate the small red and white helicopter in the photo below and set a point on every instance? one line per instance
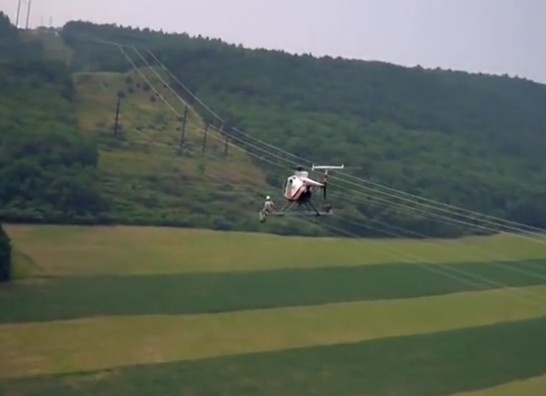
(297, 191)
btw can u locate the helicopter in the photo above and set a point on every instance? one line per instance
(298, 191)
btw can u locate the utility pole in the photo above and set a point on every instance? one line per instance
(18, 13)
(28, 13)
(183, 133)
(226, 143)
(205, 138)
(116, 121)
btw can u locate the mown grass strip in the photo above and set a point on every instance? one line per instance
(90, 344)
(435, 364)
(72, 250)
(65, 298)
(528, 387)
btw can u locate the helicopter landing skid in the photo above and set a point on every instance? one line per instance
(307, 213)
(286, 211)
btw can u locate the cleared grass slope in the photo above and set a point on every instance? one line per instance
(148, 124)
(145, 172)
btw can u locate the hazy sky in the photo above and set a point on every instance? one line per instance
(491, 36)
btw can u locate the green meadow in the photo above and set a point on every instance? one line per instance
(533, 386)
(65, 346)
(76, 297)
(440, 363)
(121, 250)
(147, 311)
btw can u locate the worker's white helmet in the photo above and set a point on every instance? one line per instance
(268, 197)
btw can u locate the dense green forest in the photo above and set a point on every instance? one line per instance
(5, 256)
(47, 169)
(471, 140)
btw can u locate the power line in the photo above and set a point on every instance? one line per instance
(492, 223)
(454, 273)
(277, 150)
(426, 202)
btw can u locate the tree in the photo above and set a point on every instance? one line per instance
(5, 256)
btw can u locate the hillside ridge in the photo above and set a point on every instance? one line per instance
(474, 142)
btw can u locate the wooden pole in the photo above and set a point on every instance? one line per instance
(226, 144)
(183, 133)
(28, 12)
(116, 121)
(205, 138)
(18, 14)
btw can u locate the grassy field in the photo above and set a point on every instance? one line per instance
(117, 310)
(530, 387)
(434, 364)
(77, 297)
(72, 251)
(105, 342)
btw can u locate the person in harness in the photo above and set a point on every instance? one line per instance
(269, 207)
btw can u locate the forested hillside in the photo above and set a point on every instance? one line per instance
(47, 169)
(62, 160)
(475, 141)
